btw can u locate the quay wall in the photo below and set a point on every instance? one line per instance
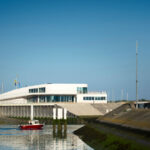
(25, 111)
(46, 109)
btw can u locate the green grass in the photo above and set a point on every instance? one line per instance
(49, 120)
(99, 140)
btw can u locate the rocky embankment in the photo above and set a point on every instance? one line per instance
(128, 116)
(124, 128)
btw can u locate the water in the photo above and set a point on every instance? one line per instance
(11, 138)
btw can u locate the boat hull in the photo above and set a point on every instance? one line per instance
(31, 127)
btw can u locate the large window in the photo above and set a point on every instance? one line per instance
(36, 90)
(33, 90)
(81, 89)
(42, 90)
(88, 98)
(97, 98)
(85, 90)
(42, 99)
(51, 98)
(64, 98)
(103, 98)
(59, 98)
(33, 99)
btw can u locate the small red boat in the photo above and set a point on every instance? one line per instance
(33, 125)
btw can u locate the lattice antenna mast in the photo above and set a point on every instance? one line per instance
(136, 74)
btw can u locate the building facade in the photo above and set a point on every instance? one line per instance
(53, 93)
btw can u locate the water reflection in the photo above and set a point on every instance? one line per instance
(60, 131)
(47, 139)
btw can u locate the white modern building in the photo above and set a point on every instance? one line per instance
(53, 93)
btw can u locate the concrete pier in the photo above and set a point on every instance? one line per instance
(46, 109)
(25, 110)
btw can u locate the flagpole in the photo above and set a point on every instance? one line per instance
(2, 88)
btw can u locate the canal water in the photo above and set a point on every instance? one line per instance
(12, 138)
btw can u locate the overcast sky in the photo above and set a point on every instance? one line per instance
(76, 41)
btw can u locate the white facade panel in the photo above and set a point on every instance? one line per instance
(63, 88)
(14, 101)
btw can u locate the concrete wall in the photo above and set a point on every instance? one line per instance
(25, 111)
(46, 110)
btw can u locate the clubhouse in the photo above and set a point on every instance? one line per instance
(53, 93)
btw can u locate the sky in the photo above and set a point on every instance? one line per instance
(76, 41)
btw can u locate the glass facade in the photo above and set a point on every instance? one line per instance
(52, 98)
(82, 90)
(33, 99)
(42, 99)
(94, 98)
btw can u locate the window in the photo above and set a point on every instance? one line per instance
(33, 90)
(88, 98)
(42, 98)
(36, 90)
(85, 90)
(81, 89)
(60, 98)
(42, 90)
(103, 98)
(100, 98)
(32, 99)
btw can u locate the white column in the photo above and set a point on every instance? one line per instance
(31, 112)
(54, 113)
(65, 113)
(75, 99)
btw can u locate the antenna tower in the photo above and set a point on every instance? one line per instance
(136, 75)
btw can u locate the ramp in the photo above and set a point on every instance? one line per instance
(106, 108)
(81, 109)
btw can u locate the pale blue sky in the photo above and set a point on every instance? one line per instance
(76, 41)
